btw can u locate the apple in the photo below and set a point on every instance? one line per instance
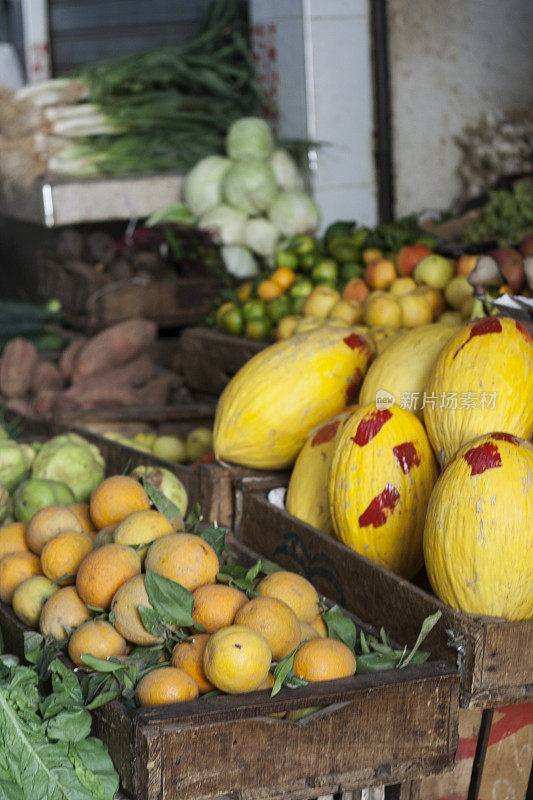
(380, 274)
(356, 289)
(415, 310)
(349, 311)
(409, 256)
(434, 270)
(511, 267)
(457, 291)
(465, 264)
(451, 318)
(199, 442)
(320, 301)
(401, 286)
(383, 310)
(170, 447)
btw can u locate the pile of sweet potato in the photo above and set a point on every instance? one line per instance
(114, 368)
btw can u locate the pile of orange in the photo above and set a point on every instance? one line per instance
(71, 562)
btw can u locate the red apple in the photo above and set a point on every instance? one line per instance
(409, 256)
(511, 267)
(356, 289)
(380, 274)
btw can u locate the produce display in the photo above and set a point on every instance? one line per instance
(37, 323)
(369, 475)
(352, 276)
(163, 109)
(132, 573)
(196, 445)
(250, 200)
(115, 368)
(506, 218)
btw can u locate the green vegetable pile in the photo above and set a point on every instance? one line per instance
(506, 218)
(46, 752)
(33, 322)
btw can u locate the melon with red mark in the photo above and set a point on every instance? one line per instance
(478, 537)
(481, 381)
(307, 495)
(381, 477)
(281, 394)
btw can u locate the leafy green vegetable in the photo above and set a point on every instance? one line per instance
(45, 749)
(507, 217)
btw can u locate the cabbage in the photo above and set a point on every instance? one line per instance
(294, 213)
(250, 186)
(239, 261)
(261, 236)
(202, 185)
(13, 463)
(73, 460)
(249, 138)
(286, 170)
(225, 222)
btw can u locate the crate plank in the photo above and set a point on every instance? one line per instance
(211, 358)
(494, 655)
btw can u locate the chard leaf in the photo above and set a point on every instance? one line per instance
(71, 725)
(340, 626)
(169, 599)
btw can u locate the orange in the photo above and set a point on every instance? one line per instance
(29, 598)
(63, 554)
(81, 510)
(244, 292)
(184, 558)
(236, 659)
(284, 277)
(371, 254)
(124, 606)
(215, 605)
(115, 498)
(294, 590)
(63, 609)
(323, 660)
(103, 571)
(47, 523)
(269, 289)
(319, 625)
(142, 527)
(15, 568)
(189, 656)
(13, 538)
(274, 620)
(166, 685)
(96, 637)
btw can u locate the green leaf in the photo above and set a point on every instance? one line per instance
(162, 503)
(32, 646)
(169, 599)
(216, 537)
(193, 519)
(427, 626)
(364, 646)
(152, 621)
(340, 626)
(282, 670)
(94, 768)
(100, 664)
(375, 662)
(103, 698)
(268, 567)
(71, 725)
(254, 571)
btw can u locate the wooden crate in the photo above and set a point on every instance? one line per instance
(374, 729)
(91, 301)
(210, 358)
(493, 655)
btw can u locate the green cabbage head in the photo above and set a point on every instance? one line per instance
(72, 459)
(14, 463)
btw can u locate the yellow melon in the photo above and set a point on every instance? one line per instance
(307, 494)
(266, 411)
(482, 381)
(478, 538)
(403, 369)
(381, 477)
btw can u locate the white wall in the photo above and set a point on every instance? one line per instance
(314, 55)
(451, 60)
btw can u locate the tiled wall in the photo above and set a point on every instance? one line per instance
(314, 56)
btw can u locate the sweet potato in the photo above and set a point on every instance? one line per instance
(99, 397)
(21, 406)
(44, 402)
(46, 376)
(156, 391)
(136, 372)
(18, 362)
(113, 347)
(69, 355)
